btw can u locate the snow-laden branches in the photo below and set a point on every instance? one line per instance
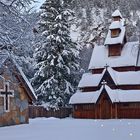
(16, 24)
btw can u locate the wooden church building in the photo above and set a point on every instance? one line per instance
(16, 93)
(111, 89)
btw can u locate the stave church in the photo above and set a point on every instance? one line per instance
(111, 89)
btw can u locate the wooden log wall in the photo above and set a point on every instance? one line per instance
(84, 111)
(117, 111)
(118, 18)
(129, 110)
(119, 69)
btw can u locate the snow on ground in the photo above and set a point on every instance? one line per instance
(73, 129)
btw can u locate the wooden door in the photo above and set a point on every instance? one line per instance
(105, 107)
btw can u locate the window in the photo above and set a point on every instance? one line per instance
(114, 50)
(115, 33)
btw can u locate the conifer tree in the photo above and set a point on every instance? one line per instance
(57, 57)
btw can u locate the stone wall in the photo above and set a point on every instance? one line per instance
(18, 105)
(18, 113)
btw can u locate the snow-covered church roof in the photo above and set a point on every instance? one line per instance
(119, 78)
(90, 80)
(100, 56)
(115, 40)
(115, 95)
(125, 78)
(26, 81)
(116, 25)
(117, 13)
(100, 59)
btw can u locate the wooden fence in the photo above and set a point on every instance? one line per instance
(40, 111)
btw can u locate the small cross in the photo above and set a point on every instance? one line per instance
(104, 83)
(106, 66)
(6, 94)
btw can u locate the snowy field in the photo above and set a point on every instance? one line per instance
(73, 129)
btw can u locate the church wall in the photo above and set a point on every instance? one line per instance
(119, 69)
(116, 111)
(112, 86)
(128, 87)
(84, 111)
(129, 110)
(88, 89)
(127, 68)
(117, 18)
(18, 112)
(18, 105)
(97, 71)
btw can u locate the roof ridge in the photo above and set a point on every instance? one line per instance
(116, 13)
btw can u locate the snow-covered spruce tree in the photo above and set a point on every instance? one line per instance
(57, 57)
(16, 35)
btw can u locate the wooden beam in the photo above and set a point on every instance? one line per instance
(100, 110)
(111, 112)
(95, 109)
(116, 112)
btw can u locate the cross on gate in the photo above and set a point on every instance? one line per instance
(104, 83)
(106, 66)
(6, 94)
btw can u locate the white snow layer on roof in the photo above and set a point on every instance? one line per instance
(115, 40)
(128, 56)
(116, 95)
(27, 81)
(119, 78)
(24, 77)
(85, 97)
(117, 13)
(90, 80)
(125, 78)
(117, 24)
